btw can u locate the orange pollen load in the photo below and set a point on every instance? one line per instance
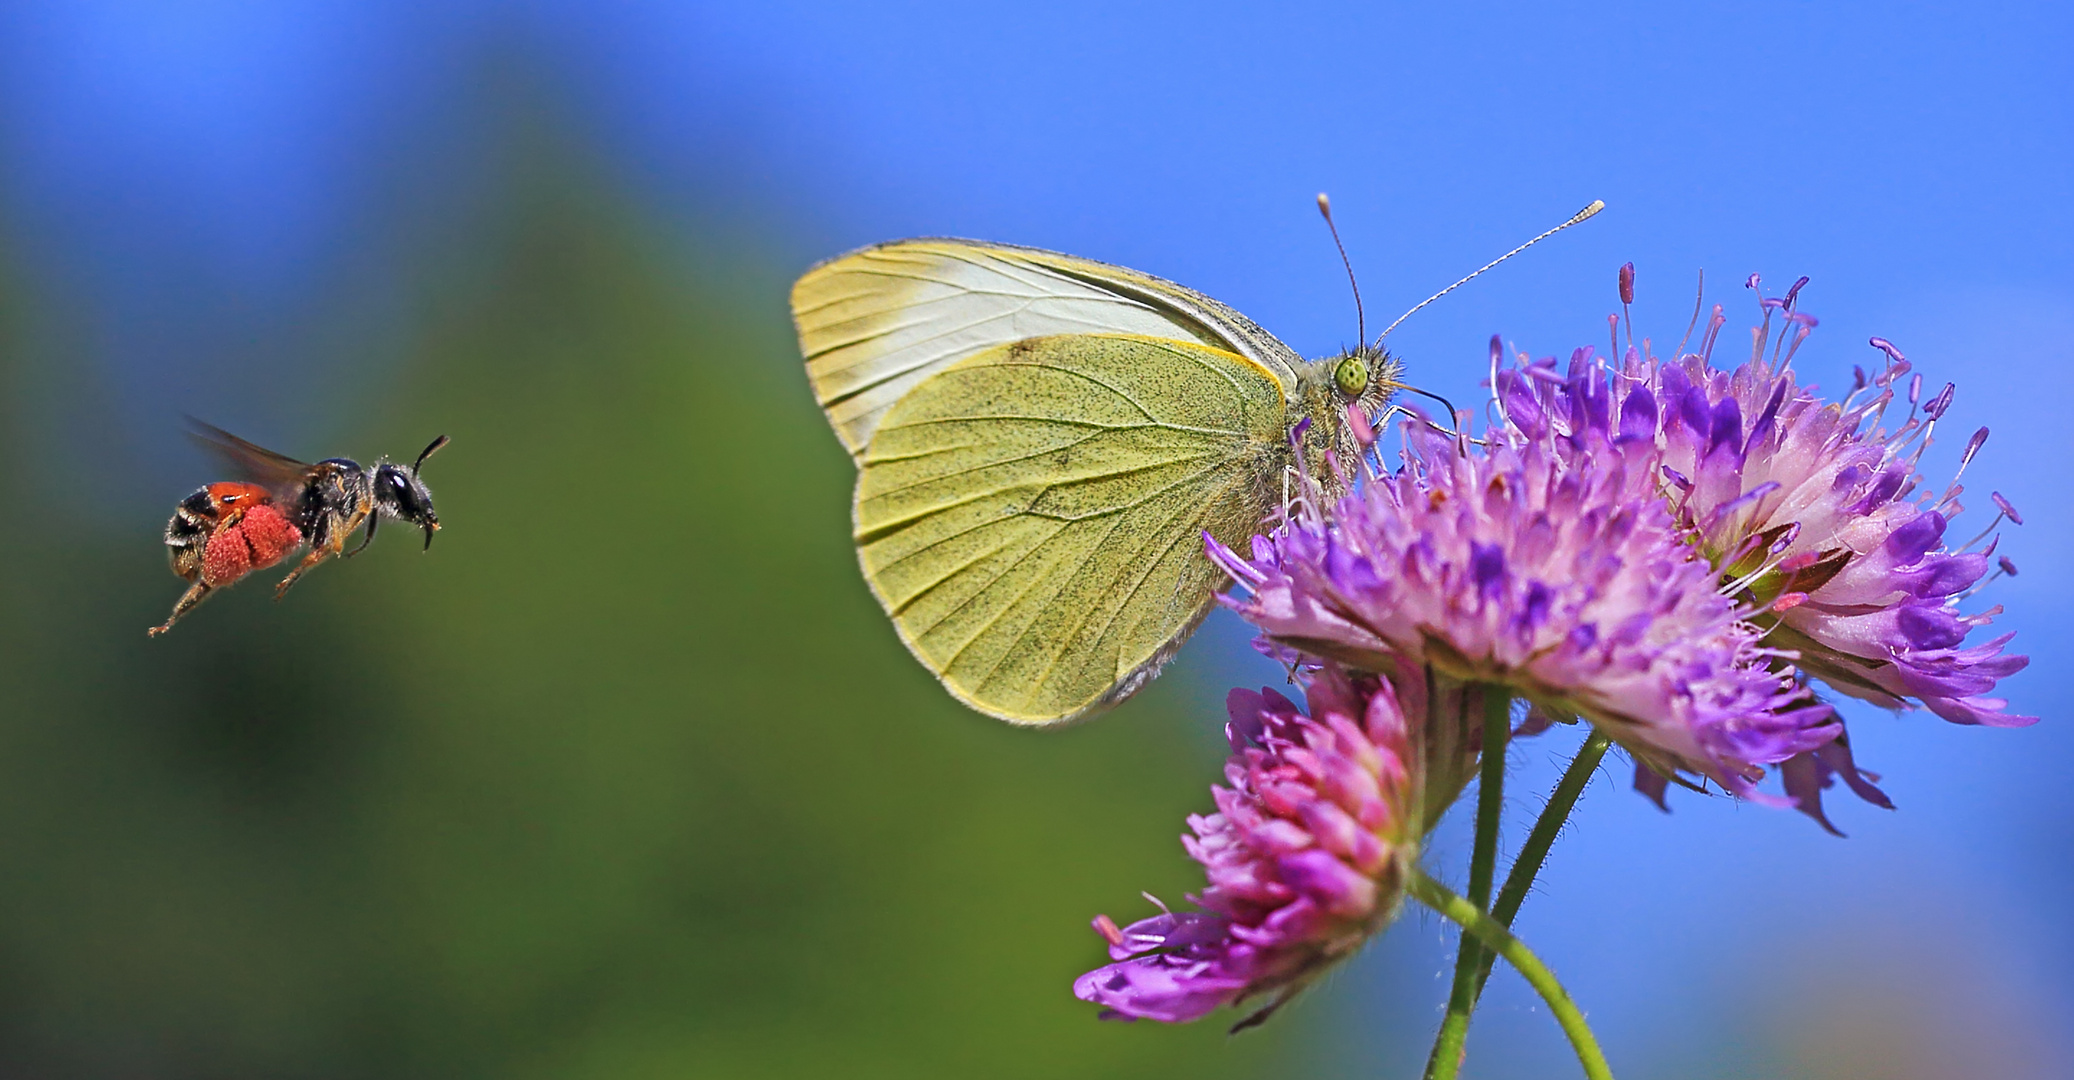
(261, 538)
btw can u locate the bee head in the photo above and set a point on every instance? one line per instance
(400, 493)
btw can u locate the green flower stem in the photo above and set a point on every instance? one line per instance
(1454, 1028)
(1499, 940)
(1446, 1059)
(1535, 851)
(1490, 793)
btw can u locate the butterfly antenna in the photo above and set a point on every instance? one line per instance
(1360, 323)
(1596, 206)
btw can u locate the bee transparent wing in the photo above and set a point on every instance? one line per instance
(250, 461)
(1032, 517)
(875, 323)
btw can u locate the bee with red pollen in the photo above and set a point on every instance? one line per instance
(229, 529)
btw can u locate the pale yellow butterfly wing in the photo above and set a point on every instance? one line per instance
(875, 323)
(1032, 516)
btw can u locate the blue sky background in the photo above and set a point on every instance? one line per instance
(233, 182)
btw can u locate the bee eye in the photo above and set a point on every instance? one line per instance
(1350, 375)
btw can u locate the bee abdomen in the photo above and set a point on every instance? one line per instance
(186, 533)
(183, 529)
(192, 520)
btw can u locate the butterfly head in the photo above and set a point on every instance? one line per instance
(1360, 380)
(1365, 377)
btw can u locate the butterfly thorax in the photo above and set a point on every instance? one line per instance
(1366, 378)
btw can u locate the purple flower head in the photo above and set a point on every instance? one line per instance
(1811, 514)
(1305, 856)
(1570, 587)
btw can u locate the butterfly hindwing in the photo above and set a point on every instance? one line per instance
(1031, 516)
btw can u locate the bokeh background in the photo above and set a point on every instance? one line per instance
(627, 777)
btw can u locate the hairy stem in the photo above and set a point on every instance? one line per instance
(1520, 879)
(1499, 940)
(1454, 1028)
(1446, 1059)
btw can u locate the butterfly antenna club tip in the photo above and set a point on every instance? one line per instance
(1595, 206)
(1360, 321)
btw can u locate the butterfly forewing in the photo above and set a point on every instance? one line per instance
(875, 323)
(1031, 516)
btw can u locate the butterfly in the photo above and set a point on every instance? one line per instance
(1042, 444)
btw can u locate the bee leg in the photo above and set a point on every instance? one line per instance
(194, 595)
(365, 539)
(301, 568)
(328, 544)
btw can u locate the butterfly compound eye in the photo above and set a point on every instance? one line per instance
(1350, 375)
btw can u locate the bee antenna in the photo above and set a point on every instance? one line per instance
(1360, 323)
(427, 452)
(1596, 206)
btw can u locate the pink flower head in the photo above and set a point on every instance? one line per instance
(1306, 854)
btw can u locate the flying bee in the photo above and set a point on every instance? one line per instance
(227, 530)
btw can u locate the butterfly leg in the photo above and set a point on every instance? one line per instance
(194, 595)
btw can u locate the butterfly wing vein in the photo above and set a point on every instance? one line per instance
(876, 323)
(1031, 516)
